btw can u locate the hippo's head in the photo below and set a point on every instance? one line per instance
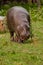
(24, 32)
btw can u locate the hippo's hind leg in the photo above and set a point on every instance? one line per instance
(12, 36)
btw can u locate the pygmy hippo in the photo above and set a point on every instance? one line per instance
(18, 22)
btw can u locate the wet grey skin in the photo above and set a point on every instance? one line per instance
(18, 22)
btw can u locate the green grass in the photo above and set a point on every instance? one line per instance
(29, 53)
(4, 8)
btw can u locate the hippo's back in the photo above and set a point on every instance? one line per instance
(16, 15)
(18, 9)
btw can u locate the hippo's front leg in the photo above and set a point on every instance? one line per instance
(12, 36)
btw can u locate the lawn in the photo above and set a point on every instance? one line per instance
(28, 53)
